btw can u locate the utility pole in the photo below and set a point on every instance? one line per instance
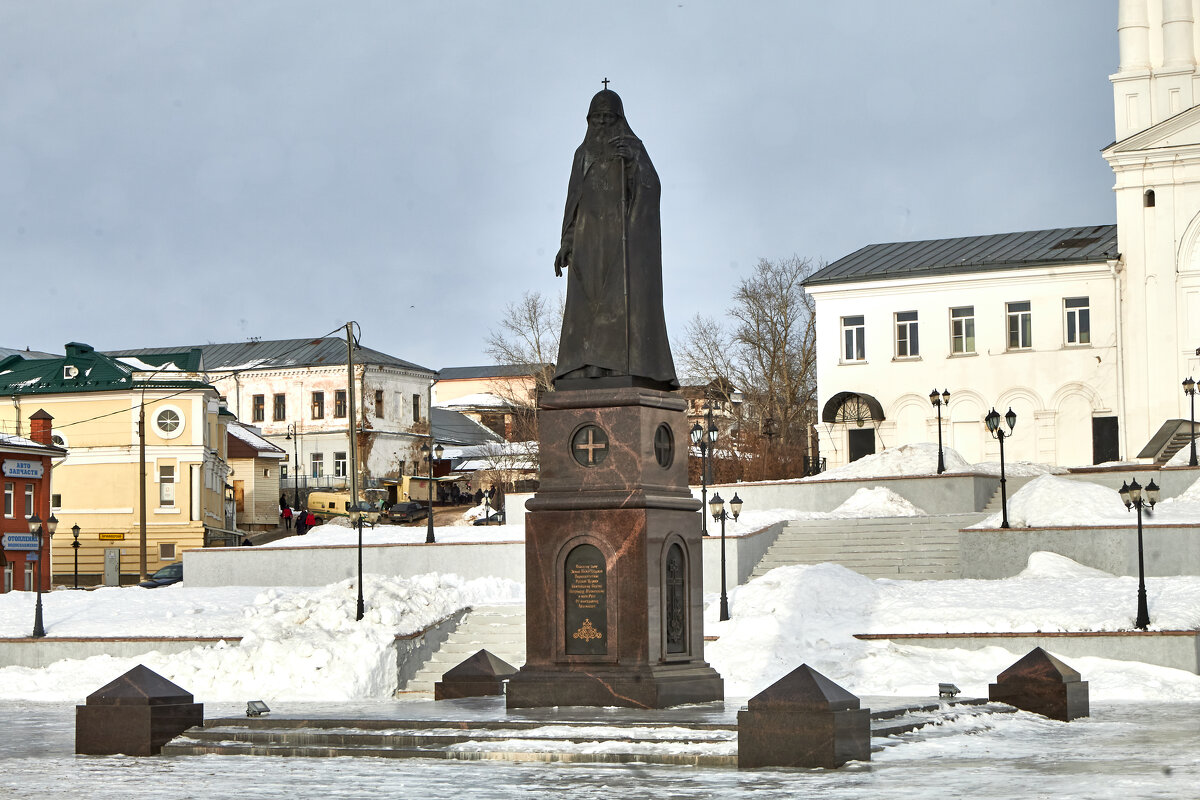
(141, 490)
(352, 414)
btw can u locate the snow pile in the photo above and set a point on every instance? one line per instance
(1016, 469)
(296, 645)
(907, 459)
(1051, 501)
(808, 614)
(877, 501)
(1184, 456)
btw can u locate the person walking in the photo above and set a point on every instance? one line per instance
(287, 518)
(301, 527)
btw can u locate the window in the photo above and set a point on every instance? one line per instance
(962, 329)
(318, 405)
(9, 489)
(317, 460)
(1148, 199)
(906, 335)
(169, 422)
(1078, 320)
(166, 551)
(853, 334)
(258, 411)
(280, 408)
(339, 404)
(1020, 325)
(29, 576)
(266, 472)
(28, 500)
(56, 502)
(8, 575)
(166, 485)
(416, 408)
(283, 472)
(339, 465)
(379, 403)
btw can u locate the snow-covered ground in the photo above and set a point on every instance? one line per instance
(1049, 501)
(920, 458)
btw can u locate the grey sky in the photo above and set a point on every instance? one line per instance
(174, 173)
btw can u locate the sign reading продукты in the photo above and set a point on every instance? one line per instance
(20, 541)
(17, 468)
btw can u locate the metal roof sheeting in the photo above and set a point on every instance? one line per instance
(972, 254)
(279, 353)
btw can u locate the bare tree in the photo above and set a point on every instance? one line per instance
(767, 350)
(527, 335)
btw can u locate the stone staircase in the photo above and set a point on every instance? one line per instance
(498, 629)
(910, 548)
(1014, 485)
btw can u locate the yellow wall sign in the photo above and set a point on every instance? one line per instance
(116, 537)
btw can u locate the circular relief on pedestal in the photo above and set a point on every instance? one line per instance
(589, 445)
(664, 446)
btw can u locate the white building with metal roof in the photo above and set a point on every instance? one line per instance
(1087, 333)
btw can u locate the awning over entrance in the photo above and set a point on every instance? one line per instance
(852, 408)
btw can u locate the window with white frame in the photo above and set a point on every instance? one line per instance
(1020, 326)
(853, 336)
(166, 485)
(56, 502)
(962, 330)
(317, 462)
(907, 345)
(166, 551)
(9, 490)
(28, 500)
(1077, 321)
(8, 576)
(339, 465)
(29, 576)
(283, 472)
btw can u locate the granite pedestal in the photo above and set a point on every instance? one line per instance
(1040, 683)
(613, 557)
(134, 715)
(803, 720)
(481, 675)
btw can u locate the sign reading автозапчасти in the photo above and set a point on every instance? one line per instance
(19, 468)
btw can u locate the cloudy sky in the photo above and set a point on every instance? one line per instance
(176, 173)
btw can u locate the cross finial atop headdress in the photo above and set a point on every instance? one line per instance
(605, 82)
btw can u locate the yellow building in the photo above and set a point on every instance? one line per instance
(98, 403)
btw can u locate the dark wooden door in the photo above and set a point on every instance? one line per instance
(1104, 440)
(862, 442)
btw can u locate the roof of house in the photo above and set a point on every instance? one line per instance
(490, 371)
(246, 442)
(83, 369)
(236, 356)
(5, 352)
(453, 428)
(13, 443)
(1055, 246)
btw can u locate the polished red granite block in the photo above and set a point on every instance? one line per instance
(134, 715)
(1041, 683)
(803, 720)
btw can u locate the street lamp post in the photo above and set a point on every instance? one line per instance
(1189, 388)
(38, 528)
(75, 547)
(356, 517)
(938, 401)
(717, 507)
(992, 420)
(429, 457)
(705, 439)
(295, 439)
(1131, 495)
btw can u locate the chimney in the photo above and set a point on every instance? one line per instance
(39, 427)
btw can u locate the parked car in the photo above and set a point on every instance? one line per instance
(171, 573)
(407, 512)
(495, 518)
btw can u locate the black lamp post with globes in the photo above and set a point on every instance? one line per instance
(1132, 497)
(992, 421)
(1189, 389)
(704, 439)
(938, 401)
(717, 507)
(40, 529)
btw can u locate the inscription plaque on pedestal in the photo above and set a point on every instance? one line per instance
(586, 602)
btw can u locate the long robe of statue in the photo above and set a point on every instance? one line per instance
(612, 246)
